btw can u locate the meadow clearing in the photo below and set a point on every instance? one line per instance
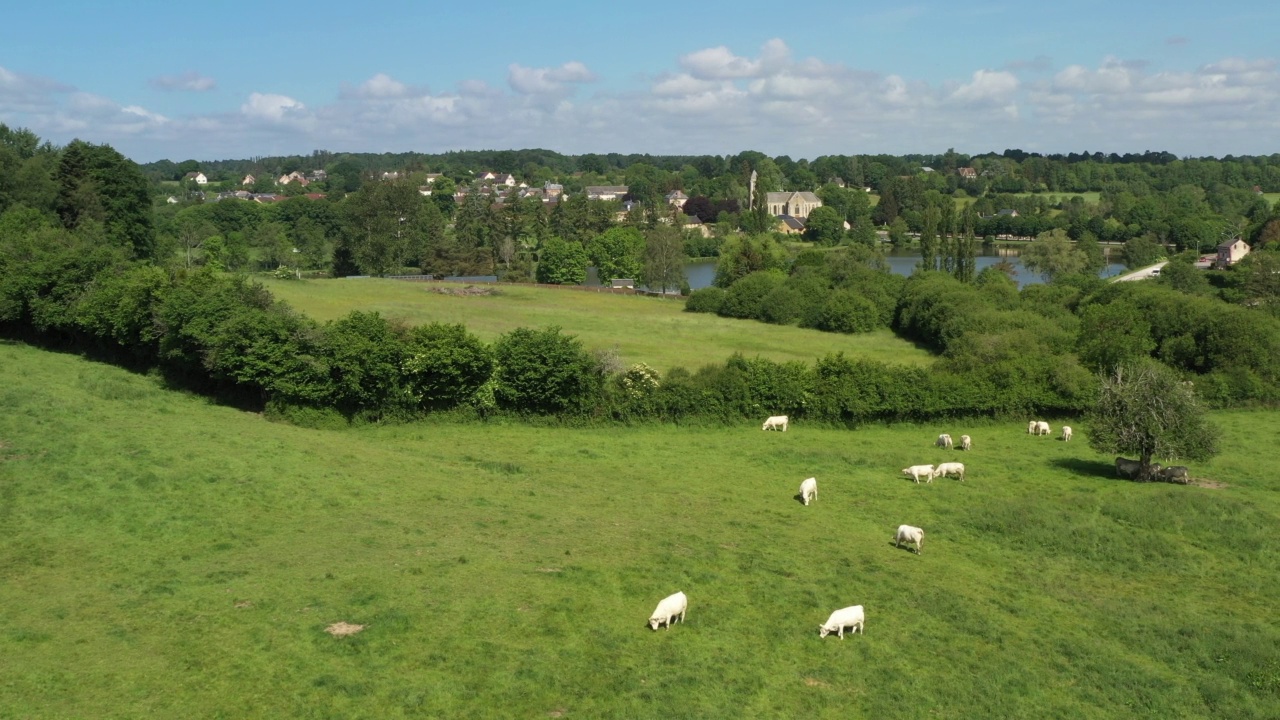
(653, 330)
(161, 556)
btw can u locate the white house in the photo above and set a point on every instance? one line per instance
(197, 176)
(248, 180)
(1230, 253)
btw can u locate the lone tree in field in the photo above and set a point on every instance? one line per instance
(1145, 410)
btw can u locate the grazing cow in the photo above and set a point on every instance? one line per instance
(775, 422)
(1031, 427)
(1127, 469)
(671, 607)
(1066, 433)
(809, 490)
(908, 534)
(1175, 474)
(949, 469)
(1042, 428)
(919, 471)
(966, 442)
(850, 617)
(943, 441)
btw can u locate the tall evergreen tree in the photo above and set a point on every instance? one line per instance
(96, 183)
(929, 238)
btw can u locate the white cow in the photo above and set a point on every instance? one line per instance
(809, 490)
(1031, 427)
(966, 442)
(774, 422)
(1066, 433)
(949, 469)
(943, 441)
(919, 471)
(1042, 428)
(672, 606)
(908, 534)
(850, 617)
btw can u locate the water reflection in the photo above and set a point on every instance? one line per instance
(903, 262)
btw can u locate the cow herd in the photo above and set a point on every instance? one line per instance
(1132, 470)
(674, 607)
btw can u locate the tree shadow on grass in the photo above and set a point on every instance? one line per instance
(1086, 468)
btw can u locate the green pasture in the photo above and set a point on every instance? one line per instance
(653, 330)
(1271, 197)
(161, 556)
(1090, 197)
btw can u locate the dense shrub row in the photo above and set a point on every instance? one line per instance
(223, 335)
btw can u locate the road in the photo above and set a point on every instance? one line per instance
(1145, 273)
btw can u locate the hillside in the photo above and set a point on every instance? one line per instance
(642, 329)
(164, 557)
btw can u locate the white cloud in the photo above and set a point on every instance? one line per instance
(537, 81)
(382, 86)
(719, 63)
(987, 86)
(274, 108)
(189, 81)
(1111, 77)
(682, 84)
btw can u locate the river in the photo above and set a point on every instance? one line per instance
(903, 262)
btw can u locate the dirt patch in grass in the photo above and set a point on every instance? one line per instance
(558, 712)
(814, 682)
(1207, 483)
(468, 291)
(342, 629)
(550, 570)
(244, 604)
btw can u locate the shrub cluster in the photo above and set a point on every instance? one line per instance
(834, 292)
(1231, 352)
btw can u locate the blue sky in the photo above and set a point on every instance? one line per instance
(215, 80)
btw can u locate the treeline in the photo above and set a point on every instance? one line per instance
(1183, 203)
(1012, 171)
(1184, 217)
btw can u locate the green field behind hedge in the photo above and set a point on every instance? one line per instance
(161, 556)
(642, 329)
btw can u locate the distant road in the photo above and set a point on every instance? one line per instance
(1145, 273)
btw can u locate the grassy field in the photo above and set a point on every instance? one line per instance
(642, 329)
(1091, 197)
(164, 557)
(1271, 197)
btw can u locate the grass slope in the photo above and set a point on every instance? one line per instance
(162, 557)
(643, 329)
